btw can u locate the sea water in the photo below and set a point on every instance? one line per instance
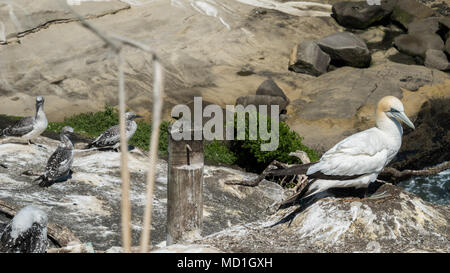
(433, 188)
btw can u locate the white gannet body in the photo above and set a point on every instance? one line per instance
(31, 127)
(60, 162)
(111, 137)
(357, 160)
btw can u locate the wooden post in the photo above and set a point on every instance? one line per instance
(184, 190)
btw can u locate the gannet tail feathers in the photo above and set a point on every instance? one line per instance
(296, 170)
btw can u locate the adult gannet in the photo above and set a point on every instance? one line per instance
(357, 160)
(31, 127)
(111, 137)
(60, 162)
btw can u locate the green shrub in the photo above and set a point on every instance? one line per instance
(93, 124)
(251, 157)
(245, 153)
(88, 124)
(217, 152)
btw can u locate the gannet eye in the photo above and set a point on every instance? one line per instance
(393, 110)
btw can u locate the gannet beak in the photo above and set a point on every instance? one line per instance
(402, 116)
(138, 116)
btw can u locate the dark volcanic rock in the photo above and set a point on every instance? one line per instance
(26, 232)
(418, 43)
(307, 57)
(258, 100)
(436, 59)
(270, 88)
(346, 48)
(407, 11)
(429, 143)
(358, 15)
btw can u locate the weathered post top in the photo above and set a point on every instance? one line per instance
(184, 189)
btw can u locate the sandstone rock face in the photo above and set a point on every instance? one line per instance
(417, 44)
(70, 66)
(406, 11)
(307, 57)
(89, 203)
(401, 222)
(346, 48)
(31, 16)
(358, 15)
(436, 59)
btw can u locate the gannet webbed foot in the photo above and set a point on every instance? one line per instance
(39, 145)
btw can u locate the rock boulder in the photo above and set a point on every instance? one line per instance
(307, 57)
(270, 88)
(359, 15)
(258, 100)
(346, 48)
(436, 59)
(417, 44)
(406, 11)
(427, 25)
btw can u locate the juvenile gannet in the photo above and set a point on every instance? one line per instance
(111, 137)
(357, 160)
(60, 162)
(31, 127)
(26, 232)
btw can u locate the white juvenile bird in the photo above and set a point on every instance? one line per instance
(60, 162)
(111, 137)
(29, 128)
(357, 160)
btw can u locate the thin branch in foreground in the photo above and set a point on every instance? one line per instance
(125, 175)
(158, 93)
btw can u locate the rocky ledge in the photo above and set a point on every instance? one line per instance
(236, 218)
(89, 203)
(400, 222)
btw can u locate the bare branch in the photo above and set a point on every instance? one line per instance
(303, 156)
(430, 171)
(158, 93)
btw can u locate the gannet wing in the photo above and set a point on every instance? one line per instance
(59, 163)
(358, 154)
(20, 128)
(108, 138)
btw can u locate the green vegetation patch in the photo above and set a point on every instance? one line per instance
(93, 124)
(244, 153)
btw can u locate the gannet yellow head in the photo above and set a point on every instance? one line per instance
(393, 108)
